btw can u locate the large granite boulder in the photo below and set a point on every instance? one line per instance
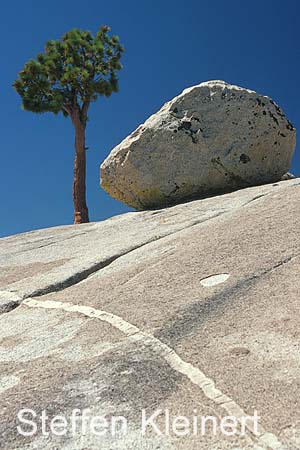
(193, 310)
(213, 138)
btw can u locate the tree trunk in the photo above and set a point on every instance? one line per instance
(81, 214)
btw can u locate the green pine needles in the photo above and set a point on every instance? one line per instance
(71, 72)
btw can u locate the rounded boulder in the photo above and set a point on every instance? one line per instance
(213, 138)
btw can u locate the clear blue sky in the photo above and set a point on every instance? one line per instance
(170, 45)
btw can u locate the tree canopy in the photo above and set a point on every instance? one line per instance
(72, 72)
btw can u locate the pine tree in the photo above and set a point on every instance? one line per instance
(71, 73)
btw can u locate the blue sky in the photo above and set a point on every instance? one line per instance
(170, 45)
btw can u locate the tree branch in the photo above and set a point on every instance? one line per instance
(67, 110)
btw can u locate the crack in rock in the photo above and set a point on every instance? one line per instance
(8, 301)
(83, 274)
(79, 276)
(47, 244)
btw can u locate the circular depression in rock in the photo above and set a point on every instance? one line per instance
(213, 280)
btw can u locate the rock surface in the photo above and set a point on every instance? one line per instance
(194, 307)
(213, 138)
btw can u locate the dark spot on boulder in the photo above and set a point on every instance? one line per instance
(283, 135)
(260, 103)
(244, 158)
(264, 113)
(274, 118)
(185, 125)
(176, 188)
